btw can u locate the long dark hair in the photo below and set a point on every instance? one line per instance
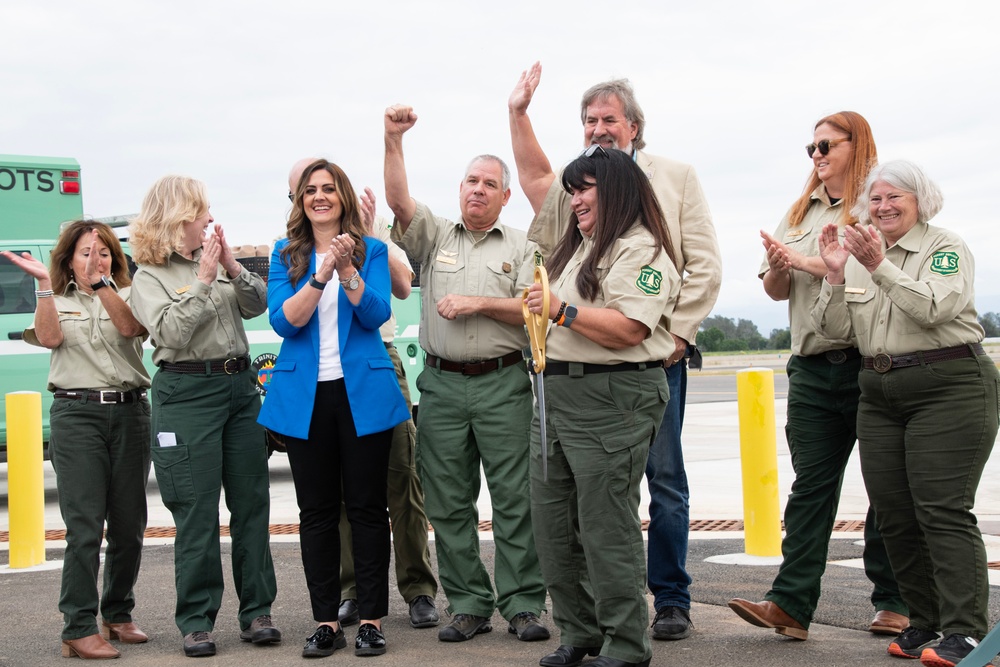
(624, 199)
(301, 244)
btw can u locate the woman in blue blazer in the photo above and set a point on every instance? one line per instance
(334, 398)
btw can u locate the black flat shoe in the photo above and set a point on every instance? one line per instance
(324, 642)
(370, 640)
(568, 656)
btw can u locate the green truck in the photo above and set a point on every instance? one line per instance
(37, 195)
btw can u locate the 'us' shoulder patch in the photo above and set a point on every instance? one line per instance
(944, 263)
(649, 280)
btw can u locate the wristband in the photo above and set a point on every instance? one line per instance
(43, 293)
(562, 309)
(315, 283)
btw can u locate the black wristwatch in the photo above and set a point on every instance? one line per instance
(315, 283)
(569, 316)
(103, 282)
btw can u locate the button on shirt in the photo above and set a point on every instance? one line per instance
(453, 261)
(804, 289)
(630, 281)
(93, 354)
(919, 298)
(190, 321)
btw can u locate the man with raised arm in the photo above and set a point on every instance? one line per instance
(475, 394)
(612, 118)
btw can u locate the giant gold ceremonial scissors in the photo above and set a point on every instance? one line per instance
(538, 325)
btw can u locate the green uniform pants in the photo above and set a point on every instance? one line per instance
(466, 421)
(821, 432)
(101, 457)
(213, 419)
(925, 434)
(414, 575)
(586, 516)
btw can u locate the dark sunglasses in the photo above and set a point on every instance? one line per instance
(595, 149)
(823, 146)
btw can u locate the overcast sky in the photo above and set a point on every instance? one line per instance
(233, 93)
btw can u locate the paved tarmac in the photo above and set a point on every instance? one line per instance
(31, 622)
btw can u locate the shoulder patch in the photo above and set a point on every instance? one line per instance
(649, 280)
(944, 263)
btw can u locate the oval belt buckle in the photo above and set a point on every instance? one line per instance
(836, 357)
(882, 363)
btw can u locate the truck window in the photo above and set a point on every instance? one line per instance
(17, 289)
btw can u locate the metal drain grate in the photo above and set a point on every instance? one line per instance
(700, 525)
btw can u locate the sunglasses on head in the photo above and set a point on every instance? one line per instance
(823, 146)
(595, 149)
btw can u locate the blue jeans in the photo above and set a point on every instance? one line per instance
(668, 502)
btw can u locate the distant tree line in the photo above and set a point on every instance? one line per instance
(991, 324)
(724, 334)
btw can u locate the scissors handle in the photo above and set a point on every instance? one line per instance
(538, 323)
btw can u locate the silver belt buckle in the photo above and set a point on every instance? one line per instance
(114, 397)
(882, 363)
(236, 366)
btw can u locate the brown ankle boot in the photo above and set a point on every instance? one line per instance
(126, 633)
(91, 647)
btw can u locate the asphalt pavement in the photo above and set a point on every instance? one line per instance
(838, 636)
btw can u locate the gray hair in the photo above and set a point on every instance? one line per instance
(906, 176)
(486, 157)
(622, 90)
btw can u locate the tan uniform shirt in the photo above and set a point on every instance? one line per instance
(689, 225)
(190, 321)
(381, 229)
(803, 291)
(919, 298)
(631, 282)
(93, 354)
(452, 262)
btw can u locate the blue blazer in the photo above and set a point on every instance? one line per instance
(377, 404)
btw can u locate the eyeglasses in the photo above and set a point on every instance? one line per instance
(595, 149)
(824, 146)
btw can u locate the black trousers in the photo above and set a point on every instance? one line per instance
(334, 464)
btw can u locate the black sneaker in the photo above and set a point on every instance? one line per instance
(324, 642)
(949, 652)
(672, 623)
(911, 642)
(370, 641)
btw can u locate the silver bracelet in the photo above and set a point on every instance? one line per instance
(43, 293)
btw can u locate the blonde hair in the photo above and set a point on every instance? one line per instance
(158, 230)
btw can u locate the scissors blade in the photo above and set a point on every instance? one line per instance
(540, 391)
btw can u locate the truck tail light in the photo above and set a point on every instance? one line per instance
(70, 183)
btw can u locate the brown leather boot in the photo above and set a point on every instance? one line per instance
(888, 623)
(91, 647)
(126, 633)
(768, 615)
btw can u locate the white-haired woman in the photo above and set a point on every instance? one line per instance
(192, 296)
(928, 416)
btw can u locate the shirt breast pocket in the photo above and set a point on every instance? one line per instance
(75, 328)
(449, 273)
(503, 277)
(862, 310)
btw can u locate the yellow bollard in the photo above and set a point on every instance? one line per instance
(26, 491)
(758, 452)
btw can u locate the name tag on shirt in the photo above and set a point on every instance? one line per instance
(446, 260)
(181, 290)
(854, 290)
(792, 233)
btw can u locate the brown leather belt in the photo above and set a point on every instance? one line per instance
(475, 367)
(576, 368)
(883, 363)
(102, 397)
(227, 366)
